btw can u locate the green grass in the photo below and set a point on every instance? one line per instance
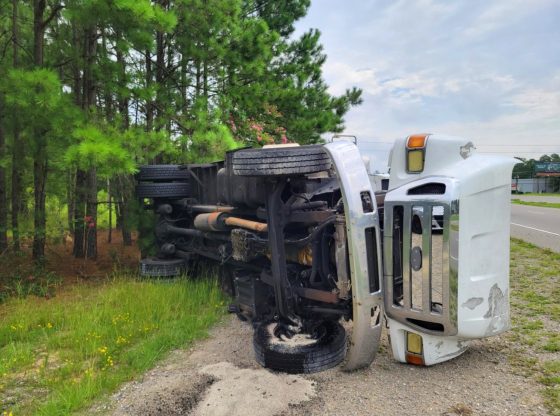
(536, 204)
(535, 301)
(542, 194)
(58, 355)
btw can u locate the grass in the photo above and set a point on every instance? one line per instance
(536, 204)
(542, 194)
(19, 277)
(535, 302)
(58, 355)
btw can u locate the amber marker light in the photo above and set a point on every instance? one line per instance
(414, 359)
(416, 152)
(417, 141)
(414, 350)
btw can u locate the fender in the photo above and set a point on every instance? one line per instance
(364, 247)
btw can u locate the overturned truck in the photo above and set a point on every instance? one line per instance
(317, 258)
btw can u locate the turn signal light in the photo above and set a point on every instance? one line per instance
(414, 351)
(415, 161)
(415, 152)
(414, 343)
(414, 359)
(416, 141)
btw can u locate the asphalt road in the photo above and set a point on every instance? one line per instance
(537, 225)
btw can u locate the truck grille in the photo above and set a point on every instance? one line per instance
(421, 264)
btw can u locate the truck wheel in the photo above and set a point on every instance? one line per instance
(162, 173)
(280, 161)
(163, 190)
(154, 267)
(301, 354)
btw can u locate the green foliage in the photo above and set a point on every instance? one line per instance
(526, 169)
(95, 147)
(75, 347)
(130, 82)
(22, 283)
(36, 97)
(536, 204)
(535, 289)
(36, 92)
(210, 139)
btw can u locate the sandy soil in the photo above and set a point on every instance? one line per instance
(218, 376)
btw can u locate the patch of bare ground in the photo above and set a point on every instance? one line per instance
(219, 376)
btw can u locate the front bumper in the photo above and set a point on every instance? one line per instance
(364, 247)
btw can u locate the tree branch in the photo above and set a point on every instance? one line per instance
(54, 11)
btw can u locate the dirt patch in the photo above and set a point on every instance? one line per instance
(60, 261)
(171, 396)
(240, 389)
(480, 381)
(110, 256)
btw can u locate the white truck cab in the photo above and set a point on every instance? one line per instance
(445, 288)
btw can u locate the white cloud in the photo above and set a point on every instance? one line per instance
(500, 14)
(488, 70)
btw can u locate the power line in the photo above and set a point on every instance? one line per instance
(518, 145)
(515, 151)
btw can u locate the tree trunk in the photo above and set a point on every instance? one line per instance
(124, 198)
(118, 207)
(109, 203)
(149, 104)
(198, 79)
(76, 74)
(18, 145)
(79, 214)
(205, 80)
(160, 75)
(85, 218)
(17, 161)
(3, 196)
(39, 217)
(70, 187)
(91, 214)
(40, 156)
(122, 97)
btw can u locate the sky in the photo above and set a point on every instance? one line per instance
(487, 70)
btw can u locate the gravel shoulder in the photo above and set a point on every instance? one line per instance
(218, 376)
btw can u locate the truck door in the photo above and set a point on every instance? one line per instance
(446, 247)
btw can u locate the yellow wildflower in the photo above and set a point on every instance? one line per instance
(121, 340)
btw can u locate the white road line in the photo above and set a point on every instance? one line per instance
(536, 229)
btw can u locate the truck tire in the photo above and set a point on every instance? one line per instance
(159, 173)
(154, 267)
(325, 352)
(281, 161)
(163, 190)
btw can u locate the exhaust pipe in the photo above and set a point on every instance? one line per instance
(220, 221)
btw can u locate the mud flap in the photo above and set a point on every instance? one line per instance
(364, 247)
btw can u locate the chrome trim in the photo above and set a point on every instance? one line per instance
(367, 307)
(450, 258)
(453, 260)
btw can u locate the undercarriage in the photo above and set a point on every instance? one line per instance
(274, 221)
(303, 244)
